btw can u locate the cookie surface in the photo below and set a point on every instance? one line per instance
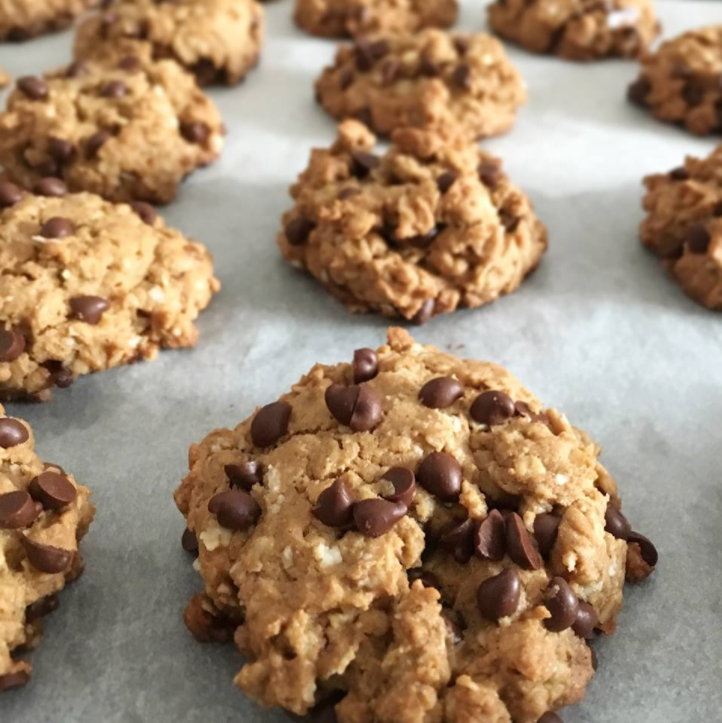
(353, 18)
(432, 225)
(577, 29)
(88, 285)
(432, 79)
(684, 225)
(5, 78)
(23, 19)
(412, 535)
(679, 82)
(44, 513)
(216, 40)
(128, 129)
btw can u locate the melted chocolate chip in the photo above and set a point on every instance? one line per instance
(235, 510)
(47, 558)
(441, 392)
(616, 523)
(585, 621)
(54, 490)
(89, 309)
(298, 230)
(376, 517)
(440, 474)
(404, 484)
(10, 194)
(490, 537)
(17, 510)
(520, 545)
(270, 424)
(647, 549)
(356, 406)
(492, 408)
(365, 365)
(458, 541)
(546, 529)
(498, 596)
(12, 432)
(12, 344)
(563, 605)
(33, 87)
(57, 228)
(244, 475)
(334, 506)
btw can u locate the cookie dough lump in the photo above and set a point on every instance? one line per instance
(130, 129)
(432, 225)
(89, 285)
(218, 41)
(684, 226)
(44, 513)
(24, 19)
(409, 537)
(464, 84)
(679, 83)
(577, 29)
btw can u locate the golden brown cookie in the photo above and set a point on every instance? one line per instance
(24, 19)
(44, 513)
(432, 225)
(412, 537)
(462, 84)
(684, 225)
(88, 285)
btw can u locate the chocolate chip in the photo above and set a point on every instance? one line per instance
(61, 376)
(492, 407)
(14, 680)
(12, 344)
(376, 517)
(679, 174)
(616, 523)
(189, 542)
(50, 186)
(428, 579)
(550, 717)
(17, 510)
(390, 71)
(12, 433)
(244, 475)
(356, 406)
(362, 163)
(89, 309)
(446, 180)
(462, 44)
(461, 77)
(76, 69)
(347, 193)
(428, 68)
(57, 228)
(48, 167)
(96, 142)
(425, 312)
(130, 63)
(195, 132)
(455, 624)
(489, 173)
(647, 549)
(365, 365)
(62, 151)
(563, 605)
(458, 541)
(47, 558)
(698, 239)
(334, 506)
(546, 529)
(367, 53)
(270, 424)
(42, 608)
(114, 89)
(441, 392)
(440, 474)
(509, 220)
(10, 194)
(345, 80)
(55, 491)
(234, 509)
(404, 483)
(638, 91)
(490, 537)
(520, 545)
(145, 211)
(585, 621)
(298, 230)
(498, 596)
(33, 87)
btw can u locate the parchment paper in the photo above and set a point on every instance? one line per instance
(599, 331)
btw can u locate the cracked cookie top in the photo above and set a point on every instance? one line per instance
(88, 285)
(464, 84)
(23, 19)
(216, 40)
(577, 29)
(44, 513)
(412, 537)
(432, 225)
(130, 129)
(684, 225)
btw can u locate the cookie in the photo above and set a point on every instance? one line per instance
(684, 225)
(89, 285)
(354, 18)
(577, 29)
(127, 130)
(412, 535)
(23, 19)
(679, 83)
(219, 41)
(5, 79)
(44, 513)
(432, 79)
(432, 225)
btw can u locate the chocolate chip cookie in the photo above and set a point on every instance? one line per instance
(44, 513)
(354, 18)
(23, 19)
(130, 129)
(219, 41)
(412, 537)
(680, 82)
(432, 79)
(89, 285)
(684, 225)
(577, 29)
(432, 225)
(5, 78)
